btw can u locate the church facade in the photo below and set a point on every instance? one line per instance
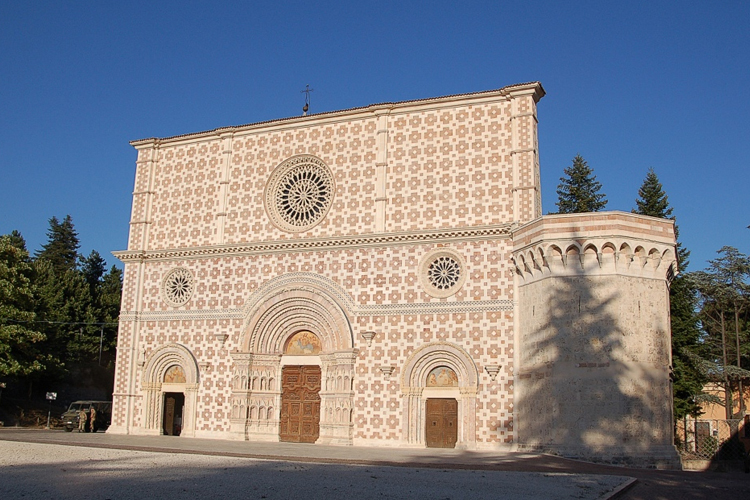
(383, 276)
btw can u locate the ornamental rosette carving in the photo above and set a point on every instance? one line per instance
(177, 287)
(299, 193)
(442, 272)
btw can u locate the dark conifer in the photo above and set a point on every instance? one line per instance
(61, 249)
(19, 338)
(17, 240)
(578, 192)
(688, 381)
(93, 268)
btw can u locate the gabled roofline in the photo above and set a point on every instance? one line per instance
(533, 88)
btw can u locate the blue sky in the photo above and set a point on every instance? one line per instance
(630, 85)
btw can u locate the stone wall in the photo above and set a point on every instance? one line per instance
(594, 337)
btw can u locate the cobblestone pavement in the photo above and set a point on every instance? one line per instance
(142, 466)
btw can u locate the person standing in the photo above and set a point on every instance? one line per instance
(92, 419)
(82, 418)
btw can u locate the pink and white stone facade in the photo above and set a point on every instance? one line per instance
(216, 282)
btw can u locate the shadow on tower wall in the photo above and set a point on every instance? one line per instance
(594, 380)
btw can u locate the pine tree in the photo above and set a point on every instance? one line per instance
(653, 200)
(93, 268)
(64, 300)
(18, 241)
(688, 380)
(578, 192)
(19, 339)
(62, 246)
(109, 302)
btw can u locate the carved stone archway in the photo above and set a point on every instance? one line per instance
(414, 392)
(157, 365)
(278, 310)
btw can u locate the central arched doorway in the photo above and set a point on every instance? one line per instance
(299, 420)
(292, 377)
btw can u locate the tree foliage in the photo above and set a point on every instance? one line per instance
(578, 192)
(724, 299)
(652, 200)
(58, 310)
(61, 249)
(688, 378)
(19, 339)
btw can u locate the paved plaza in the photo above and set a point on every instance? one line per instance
(39, 464)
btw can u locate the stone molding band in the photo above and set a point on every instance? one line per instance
(379, 310)
(319, 244)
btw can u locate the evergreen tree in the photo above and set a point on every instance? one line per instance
(93, 268)
(724, 295)
(64, 301)
(109, 303)
(653, 201)
(18, 241)
(688, 380)
(19, 339)
(62, 246)
(578, 192)
(652, 198)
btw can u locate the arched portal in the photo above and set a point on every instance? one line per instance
(170, 383)
(295, 328)
(438, 379)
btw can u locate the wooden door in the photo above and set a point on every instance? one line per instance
(442, 423)
(300, 404)
(173, 406)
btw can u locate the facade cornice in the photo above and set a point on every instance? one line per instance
(533, 89)
(321, 244)
(443, 307)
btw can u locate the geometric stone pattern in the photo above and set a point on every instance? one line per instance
(365, 274)
(455, 177)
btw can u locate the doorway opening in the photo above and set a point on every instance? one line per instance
(174, 403)
(300, 404)
(442, 423)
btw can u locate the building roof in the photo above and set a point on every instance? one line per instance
(537, 86)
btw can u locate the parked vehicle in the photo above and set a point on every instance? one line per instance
(70, 418)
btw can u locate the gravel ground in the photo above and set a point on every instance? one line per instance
(46, 471)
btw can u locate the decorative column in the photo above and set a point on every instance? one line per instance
(467, 440)
(381, 164)
(337, 397)
(126, 398)
(412, 419)
(524, 154)
(152, 412)
(264, 402)
(240, 394)
(226, 158)
(189, 410)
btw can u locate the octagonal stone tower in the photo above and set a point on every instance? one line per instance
(593, 337)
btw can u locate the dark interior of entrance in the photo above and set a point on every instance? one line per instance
(442, 423)
(174, 403)
(300, 404)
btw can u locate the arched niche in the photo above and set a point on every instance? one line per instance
(170, 368)
(416, 389)
(298, 319)
(286, 306)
